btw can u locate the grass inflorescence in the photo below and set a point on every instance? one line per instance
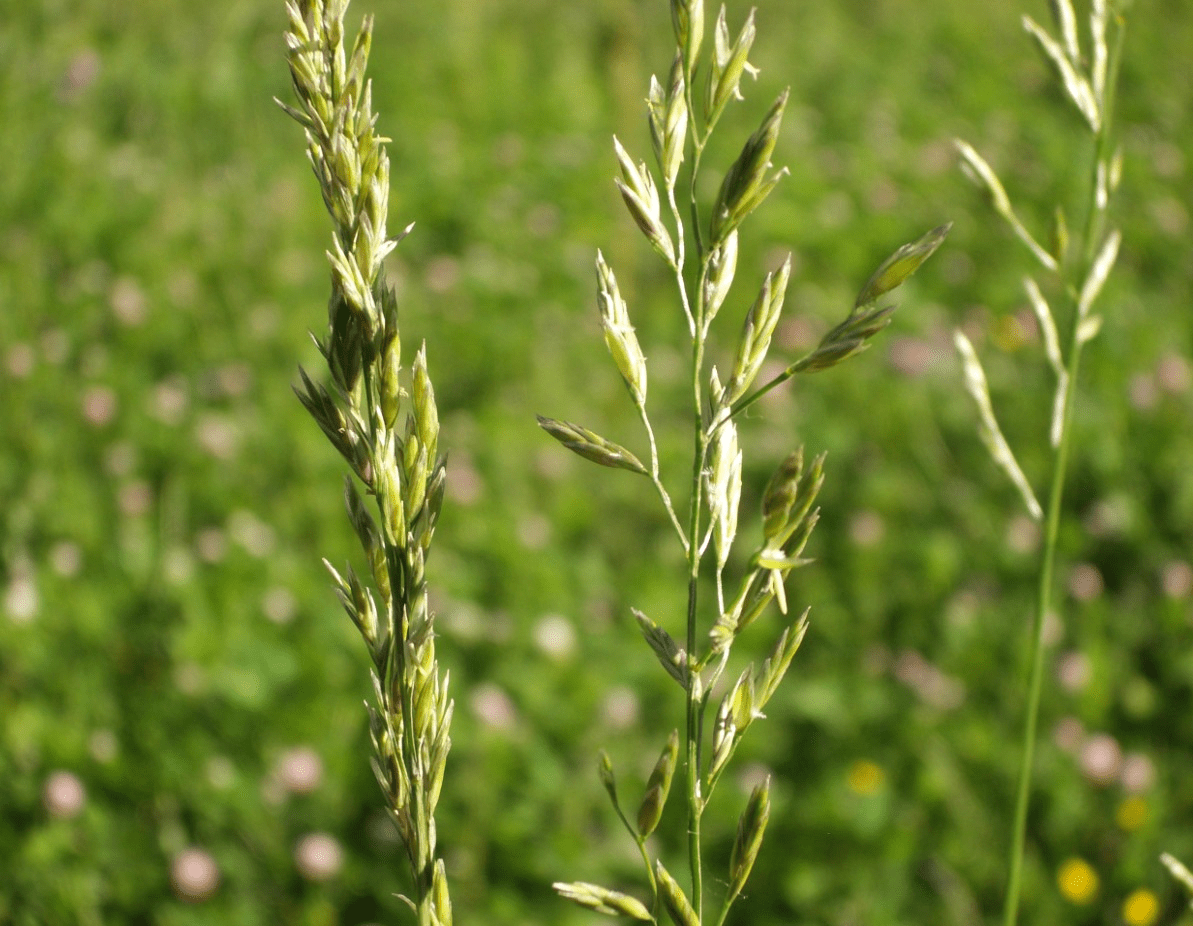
(1075, 266)
(698, 242)
(387, 433)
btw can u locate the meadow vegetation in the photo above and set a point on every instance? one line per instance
(181, 730)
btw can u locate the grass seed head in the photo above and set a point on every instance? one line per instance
(678, 907)
(750, 829)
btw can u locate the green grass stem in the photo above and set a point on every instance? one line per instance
(1038, 650)
(1093, 245)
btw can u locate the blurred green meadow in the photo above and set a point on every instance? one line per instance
(182, 738)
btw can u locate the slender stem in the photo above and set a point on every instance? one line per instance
(658, 482)
(1035, 684)
(745, 402)
(693, 715)
(650, 875)
(697, 234)
(713, 677)
(693, 726)
(1092, 235)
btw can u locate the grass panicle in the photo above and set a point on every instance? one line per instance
(1075, 271)
(385, 425)
(698, 242)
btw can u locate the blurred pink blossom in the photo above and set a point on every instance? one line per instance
(64, 795)
(300, 770)
(1073, 670)
(1068, 734)
(1101, 758)
(555, 636)
(493, 707)
(318, 856)
(99, 405)
(621, 707)
(1138, 772)
(128, 301)
(1177, 579)
(194, 874)
(1085, 582)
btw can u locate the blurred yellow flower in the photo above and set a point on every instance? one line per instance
(865, 777)
(1008, 333)
(1141, 908)
(1131, 813)
(1078, 882)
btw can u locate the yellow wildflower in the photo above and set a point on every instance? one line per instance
(1131, 813)
(865, 777)
(1140, 908)
(1078, 882)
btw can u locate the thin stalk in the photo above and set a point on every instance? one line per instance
(692, 770)
(697, 154)
(692, 725)
(650, 875)
(657, 480)
(1095, 216)
(746, 401)
(1035, 683)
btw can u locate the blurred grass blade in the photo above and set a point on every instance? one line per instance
(1101, 56)
(1078, 88)
(1052, 349)
(1180, 872)
(980, 172)
(1000, 450)
(608, 779)
(1047, 325)
(1098, 272)
(1066, 22)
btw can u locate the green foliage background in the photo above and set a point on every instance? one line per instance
(166, 501)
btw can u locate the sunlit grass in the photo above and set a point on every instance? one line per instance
(158, 243)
